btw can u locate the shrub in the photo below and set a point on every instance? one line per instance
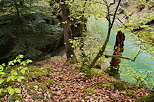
(11, 75)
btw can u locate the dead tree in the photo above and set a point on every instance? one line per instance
(118, 49)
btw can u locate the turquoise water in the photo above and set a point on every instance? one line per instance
(143, 67)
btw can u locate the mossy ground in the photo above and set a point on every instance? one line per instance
(53, 81)
(146, 99)
(31, 86)
(106, 85)
(89, 91)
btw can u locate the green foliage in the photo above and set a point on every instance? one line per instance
(35, 97)
(98, 72)
(143, 37)
(50, 82)
(23, 28)
(15, 97)
(31, 86)
(48, 67)
(86, 53)
(89, 91)
(131, 94)
(88, 72)
(115, 72)
(77, 8)
(120, 85)
(34, 72)
(146, 99)
(11, 76)
(106, 85)
(141, 77)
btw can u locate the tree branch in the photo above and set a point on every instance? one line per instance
(112, 3)
(114, 15)
(108, 17)
(118, 56)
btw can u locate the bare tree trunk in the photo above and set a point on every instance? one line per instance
(66, 25)
(118, 49)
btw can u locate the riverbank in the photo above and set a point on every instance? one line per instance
(61, 82)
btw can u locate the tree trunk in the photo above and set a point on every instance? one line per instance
(118, 49)
(66, 25)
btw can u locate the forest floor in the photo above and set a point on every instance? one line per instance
(65, 83)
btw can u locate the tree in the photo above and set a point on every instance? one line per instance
(66, 25)
(114, 70)
(111, 22)
(118, 49)
(68, 22)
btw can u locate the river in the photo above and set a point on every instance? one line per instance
(143, 67)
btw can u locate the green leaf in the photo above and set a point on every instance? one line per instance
(144, 26)
(1, 80)
(23, 70)
(20, 56)
(18, 60)
(3, 64)
(121, 29)
(10, 63)
(23, 63)
(152, 34)
(14, 61)
(20, 78)
(17, 90)
(1, 67)
(35, 97)
(29, 61)
(10, 90)
(2, 73)
(11, 100)
(10, 78)
(61, 3)
(145, 63)
(67, 2)
(1, 91)
(141, 22)
(14, 73)
(128, 24)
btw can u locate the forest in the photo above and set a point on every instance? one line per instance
(76, 50)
